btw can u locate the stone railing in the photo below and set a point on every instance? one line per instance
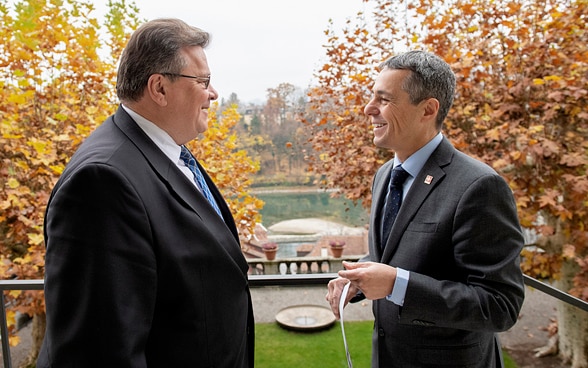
(298, 265)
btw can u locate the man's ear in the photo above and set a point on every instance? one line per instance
(156, 88)
(430, 108)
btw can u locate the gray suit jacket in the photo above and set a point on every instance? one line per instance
(458, 234)
(140, 270)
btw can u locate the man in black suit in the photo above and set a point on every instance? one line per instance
(143, 265)
(446, 277)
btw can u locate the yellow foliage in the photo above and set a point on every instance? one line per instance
(14, 294)
(14, 340)
(35, 238)
(11, 315)
(538, 81)
(554, 78)
(17, 99)
(40, 147)
(13, 183)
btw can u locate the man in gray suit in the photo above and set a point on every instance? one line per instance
(447, 277)
(143, 266)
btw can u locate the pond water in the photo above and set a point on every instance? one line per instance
(283, 205)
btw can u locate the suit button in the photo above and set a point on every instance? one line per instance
(381, 332)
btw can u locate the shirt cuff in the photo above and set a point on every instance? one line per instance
(400, 286)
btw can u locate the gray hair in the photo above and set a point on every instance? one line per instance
(431, 77)
(155, 48)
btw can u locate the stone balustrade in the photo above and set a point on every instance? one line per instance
(298, 265)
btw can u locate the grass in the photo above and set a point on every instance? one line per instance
(277, 347)
(508, 362)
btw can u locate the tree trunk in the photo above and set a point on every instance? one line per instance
(572, 323)
(38, 331)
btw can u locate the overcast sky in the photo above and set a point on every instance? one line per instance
(258, 44)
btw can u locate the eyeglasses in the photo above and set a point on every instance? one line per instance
(205, 80)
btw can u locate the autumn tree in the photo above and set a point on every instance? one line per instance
(232, 100)
(343, 155)
(279, 100)
(524, 77)
(278, 135)
(57, 84)
(275, 123)
(521, 106)
(283, 106)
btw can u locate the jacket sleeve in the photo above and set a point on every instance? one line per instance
(100, 271)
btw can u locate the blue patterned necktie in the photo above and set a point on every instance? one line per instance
(397, 179)
(190, 161)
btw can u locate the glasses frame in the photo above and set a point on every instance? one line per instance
(204, 80)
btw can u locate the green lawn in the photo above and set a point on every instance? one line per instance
(277, 347)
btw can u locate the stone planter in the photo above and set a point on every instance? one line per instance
(270, 254)
(337, 251)
(270, 250)
(337, 248)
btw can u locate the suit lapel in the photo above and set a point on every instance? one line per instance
(169, 173)
(427, 179)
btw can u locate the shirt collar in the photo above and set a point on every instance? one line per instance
(417, 160)
(159, 136)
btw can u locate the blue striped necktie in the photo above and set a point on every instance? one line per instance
(397, 178)
(190, 161)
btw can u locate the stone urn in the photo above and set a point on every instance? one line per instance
(337, 247)
(270, 249)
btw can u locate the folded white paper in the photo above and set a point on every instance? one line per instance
(341, 306)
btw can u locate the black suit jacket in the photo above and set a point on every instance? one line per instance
(140, 270)
(458, 234)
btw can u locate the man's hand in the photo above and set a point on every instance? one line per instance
(334, 294)
(375, 280)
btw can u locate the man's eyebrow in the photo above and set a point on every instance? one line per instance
(382, 93)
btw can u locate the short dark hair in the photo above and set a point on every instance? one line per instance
(431, 77)
(155, 48)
